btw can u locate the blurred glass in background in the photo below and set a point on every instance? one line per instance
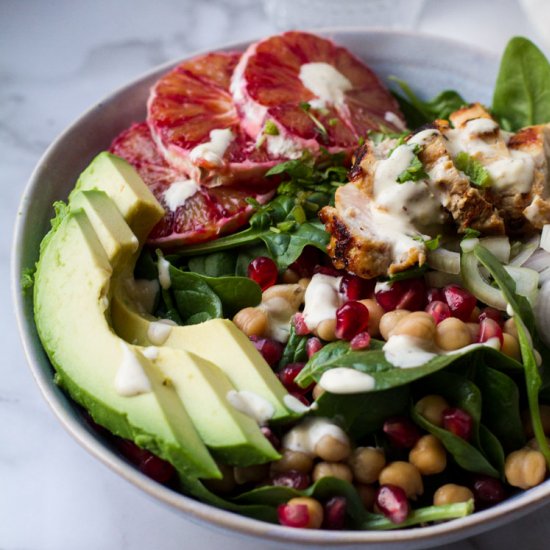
(289, 14)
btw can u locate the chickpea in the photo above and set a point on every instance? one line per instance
(451, 493)
(332, 469)
(252, 321)
(428, 455)
(224, 485)
(292, 293)
(317, 391)
(510, 346)
(545, 419)
(452, 334)
(510, 327)
(314, 508)
(326, 330)
(525, 468)
(290, 276)
(250, 474)
(375, 314)
(389, 320)
(367, 493)
(367, 463)
(418, 325)
(474, 317)
(431, 407)
(304, 282)
(332, 448)
(293, 460)
(404, 475)
(474, 329)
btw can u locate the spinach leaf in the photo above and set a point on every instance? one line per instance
(522, 91)
(466, 455)
(167, 309)
(418, 112)
(476, 172)
(360, 414)
(492, 448)
(146, 265)
(218, 264)
(295, 349)
(501, 412)
(235, 293)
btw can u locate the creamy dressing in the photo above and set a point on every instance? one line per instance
(251, 404)
(322, 299)
(343, 380)
(163, 266)
(392, 118)
(159, 331)
(423, 137)
(178, 192)
(142, 293)
(279, 312)
(305, 436)
(281, 146)
(326, 82)
(130, 379)
(515, 172)
(295, 405)
(213, 151)
(150, 352)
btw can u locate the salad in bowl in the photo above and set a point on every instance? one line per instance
(297, 296)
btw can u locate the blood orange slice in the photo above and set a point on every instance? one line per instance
(201, 215)
(317, 93)
(196, 127)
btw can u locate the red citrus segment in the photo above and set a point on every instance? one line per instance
(267, 85)
(205, 215)
(190, 102)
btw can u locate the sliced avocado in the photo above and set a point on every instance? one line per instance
(122, 183)
(70, 301)
(202, 387)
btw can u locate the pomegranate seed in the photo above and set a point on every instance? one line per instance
(293, 479)
(488, 490)
(300, 325)
(351, 319)
(401, 432)
(334, 517)
(491, 313)
(438, 310)
(288, 374)
(435, 295)
(458, 422)
(409, 294)
(360, 341)
(392, 501)
(293, 515)
(307, 261)
(488, 328)
(313, 345)
(356, 288)
(271, 437)
(271, 350)
(263, 270)
(148, 463)
(460, 301)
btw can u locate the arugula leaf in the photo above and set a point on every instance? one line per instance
(476, 172)
(522, 91)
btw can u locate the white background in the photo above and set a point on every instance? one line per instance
(57, 58)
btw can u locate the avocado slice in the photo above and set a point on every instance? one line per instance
(70, 302)
(232, 436)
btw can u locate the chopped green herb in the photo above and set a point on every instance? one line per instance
(379, 137)
(27, 279)
(270, 128)
(430, 244)
(471, 233)
(333, 121)
(476, 172)
(415, 171)
(306, 107)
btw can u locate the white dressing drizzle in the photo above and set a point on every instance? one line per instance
(326, 82)
(295, 405)
(279, 312)
(322, 299)
(213, 151)
(178, 192)
(305, 436)
(251, 404)
(158, 331)
(150, 352)
(163, 266)
(392, 118)
(281, 146)
(130, 378)
(344, 380)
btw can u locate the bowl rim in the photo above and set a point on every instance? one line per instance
(205, 514)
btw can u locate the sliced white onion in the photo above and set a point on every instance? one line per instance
(545, 237)
(478, 286)
(498, 246)
(542, 313)
(527, 281)
(444, 260)
(438, 279)
(526, 251)
(538, 261)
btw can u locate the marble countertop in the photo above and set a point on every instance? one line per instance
(56, 59)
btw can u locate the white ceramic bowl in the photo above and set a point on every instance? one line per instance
(430, 65)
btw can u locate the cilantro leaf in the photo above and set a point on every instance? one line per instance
(414, 172)
(476, 172)
(430, 244)
(471, 233)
